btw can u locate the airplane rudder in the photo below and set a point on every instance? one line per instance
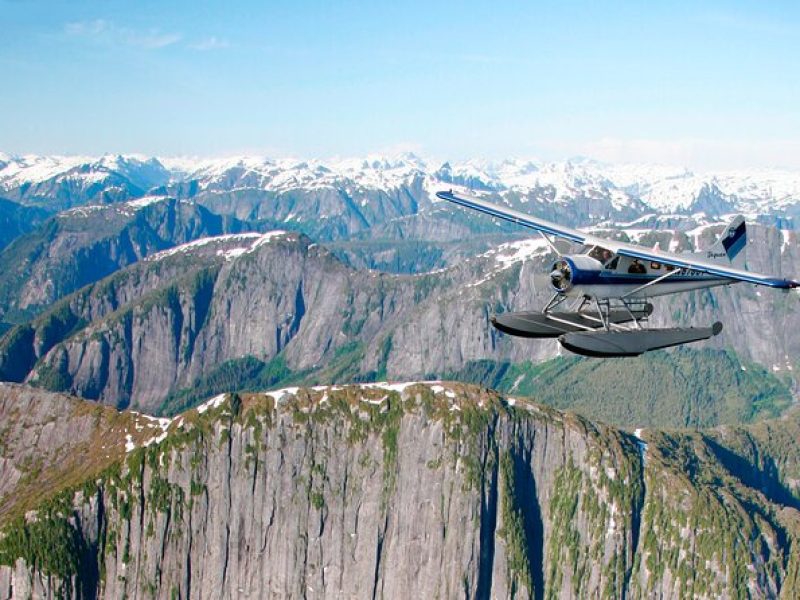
(735, 238)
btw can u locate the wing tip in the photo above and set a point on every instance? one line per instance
(444, 195)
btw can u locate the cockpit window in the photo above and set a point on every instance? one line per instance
(603, 255)
(613, 264)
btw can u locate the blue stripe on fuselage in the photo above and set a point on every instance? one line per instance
(582, 277)
(774, 282)
(610, 277)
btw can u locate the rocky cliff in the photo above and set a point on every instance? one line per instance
(225, 310)
(85, 244)
(16, 220)
(432, 490)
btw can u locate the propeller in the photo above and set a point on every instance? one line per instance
(561, 276)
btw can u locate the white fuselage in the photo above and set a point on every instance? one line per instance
(583, 275)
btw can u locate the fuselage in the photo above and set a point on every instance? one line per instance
(585, 275)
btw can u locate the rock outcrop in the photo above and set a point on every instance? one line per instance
(86, 244)
(430, 490)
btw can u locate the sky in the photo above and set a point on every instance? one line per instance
(708, 85)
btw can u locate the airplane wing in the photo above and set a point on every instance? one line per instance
(621, 248)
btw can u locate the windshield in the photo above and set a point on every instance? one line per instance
(603, 255)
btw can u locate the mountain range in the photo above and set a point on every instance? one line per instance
(251, 309)
(150, 308)
(610, 190)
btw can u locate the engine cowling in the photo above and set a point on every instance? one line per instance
(569, 271)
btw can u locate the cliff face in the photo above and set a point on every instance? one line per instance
(290, 306)
(429, 490)
(84, 245)
(162, 324)
(16, 220)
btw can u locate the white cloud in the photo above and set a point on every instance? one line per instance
(107, 32)
(87, 28)
(210, 43)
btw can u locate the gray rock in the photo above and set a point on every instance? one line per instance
(163, 325)
(451, 491)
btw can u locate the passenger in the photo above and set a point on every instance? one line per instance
(637, 267)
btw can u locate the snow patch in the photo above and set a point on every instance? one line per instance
(786, 239)
(640, 442)
(247, 243)
(278, 395)
(161, 422)
(189, 246)
(438, 389)
(514, 252)
(210, 404)
(392, 387)
(376, 402)
(146, 201)
(399, 387)
(237, 252)
(696, 233)
(508, 254)
(155, 440)
(85, 211)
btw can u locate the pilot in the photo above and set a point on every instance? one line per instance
(606, 256)
(637, 267)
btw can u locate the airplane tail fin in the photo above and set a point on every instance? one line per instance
(729, 248)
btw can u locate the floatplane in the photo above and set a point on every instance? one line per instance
(600, 303)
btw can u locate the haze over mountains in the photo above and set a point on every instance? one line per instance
(67, 181)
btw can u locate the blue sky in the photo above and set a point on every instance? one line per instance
(709, 85)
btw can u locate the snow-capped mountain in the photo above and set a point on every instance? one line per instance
(603, 191)
(60, 182)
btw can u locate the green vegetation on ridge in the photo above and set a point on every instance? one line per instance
(681, 388)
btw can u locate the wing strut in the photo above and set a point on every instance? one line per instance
(649, 283)
(550, 243)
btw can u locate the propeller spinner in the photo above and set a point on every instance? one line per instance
(561, 276)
